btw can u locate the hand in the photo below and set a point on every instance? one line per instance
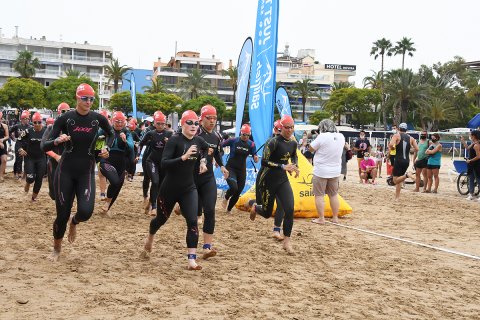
(203, 168)
(104, 154)
(191, 151)
(22, 152)
(61, 139)
(57, 157)
(467, 161)
(255, 158)
(225, 172)
(210, 151)
(123, 136)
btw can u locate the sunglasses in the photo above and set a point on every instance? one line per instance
(190, 122)
(37, 122)
(288, 127)
(211, 117)
(119, 121)
(63, 111)
(160, 123)
(246, 134)
(85, 99)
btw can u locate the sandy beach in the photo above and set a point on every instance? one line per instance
(337, 273)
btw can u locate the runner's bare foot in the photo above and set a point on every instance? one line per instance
(224, 203)
(153, 212)
(208, 253)
(199, 220)
(277, 235)
(288, 247)
(335, 220)
(318, 221)
(177, 210)
(72, 231)
(57, 248)
(55, 255)
(27, 187)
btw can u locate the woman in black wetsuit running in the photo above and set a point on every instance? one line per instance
(74, 176)
(178, 160)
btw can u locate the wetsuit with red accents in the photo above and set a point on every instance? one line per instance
(155, 142)
(206, 184)
(178, 185)
(74, 176)
(35, 160)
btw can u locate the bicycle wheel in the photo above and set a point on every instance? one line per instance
(462, 183)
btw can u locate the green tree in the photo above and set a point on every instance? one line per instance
(165, 102)
(115, 72)
(123, 101)
(404, 92)
(373, 81)
(232, 73)
(22, 93)
(156, 86)
(434, 111)
(26, 64)
(404, 46)
(198, 103)
(195, 85)
(74, 73)
(342, 85)
(63, 90)
(381, 48)
(318, 116)
(304, 89)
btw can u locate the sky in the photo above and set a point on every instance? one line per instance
(341, 32)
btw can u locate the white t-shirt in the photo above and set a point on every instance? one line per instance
(327, 161)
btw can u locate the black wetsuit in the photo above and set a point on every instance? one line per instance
(272, 181)
(206, 183)
(155, 142)
(113, 168)
(132, 166)
(237, 167)
(35, 160)
(16, 131)
(74, 176)
(178, 185)
(51, 162)
(146, 153)
(3, 134)
(402, 156)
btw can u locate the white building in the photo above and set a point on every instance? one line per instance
(55, 59)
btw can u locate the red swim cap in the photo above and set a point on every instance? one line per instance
(207, 110)
(62, 106)
(104, 113)
(25, 114)
(85, 90)
(50, 121)
(277, 125)
(132, 125)
(37, 117)
(286, 120)
(188, 115)
(158, 116)
(245, 129)
(118, 116)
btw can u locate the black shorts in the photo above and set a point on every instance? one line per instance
(400, 168)
(4, 150)
(420, 164)
(433, 166)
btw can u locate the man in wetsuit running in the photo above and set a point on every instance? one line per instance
(75, 174)
(35, 159)
(272, 181)
(181, 153)
(401, 142)
(16, 132)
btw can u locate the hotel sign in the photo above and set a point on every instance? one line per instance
(345, 67)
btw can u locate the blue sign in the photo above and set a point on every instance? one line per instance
(243, 75)
(283, 102)
(262, 75)
(134, 95)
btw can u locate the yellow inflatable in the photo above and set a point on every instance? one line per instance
(303, 195)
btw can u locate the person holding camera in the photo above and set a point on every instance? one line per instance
(473, 162)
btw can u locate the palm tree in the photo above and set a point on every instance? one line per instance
(342, 85)
(115, 72)
(25, 64)
(74, 73)
(304, 89)
(232, 72)
(435, 110)
(157, 86)
(404, 90)
(194, 85)
(381, 48)
(404, 46)
(373, 81)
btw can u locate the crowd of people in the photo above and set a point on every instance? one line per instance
(179, 166)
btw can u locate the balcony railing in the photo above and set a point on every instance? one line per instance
(45, 57)
(186, 70)
(41, 73)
